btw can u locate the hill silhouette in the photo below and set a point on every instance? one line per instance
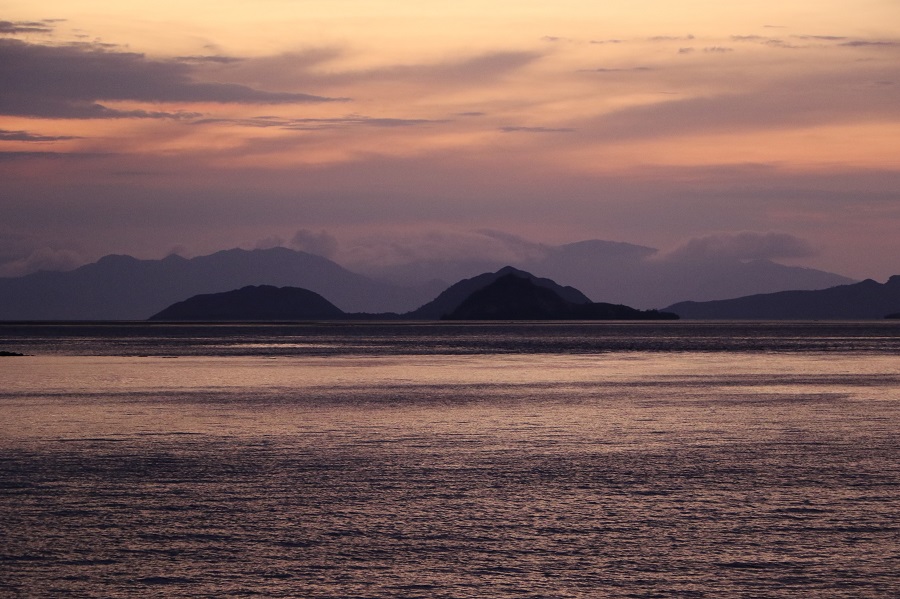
(263, 302)
(453, 296)
(507, 295)
(865, 300)
(515, 297)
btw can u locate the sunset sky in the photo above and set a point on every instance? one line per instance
(389, 129)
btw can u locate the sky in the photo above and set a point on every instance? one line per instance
(392, 130)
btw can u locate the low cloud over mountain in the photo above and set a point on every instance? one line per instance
(710, 267)
(742, 246)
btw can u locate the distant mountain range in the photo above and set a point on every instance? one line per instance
(125, 288)
(865, 300)
(624, 273)
(507, 294)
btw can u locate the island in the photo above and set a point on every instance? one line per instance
(866, 300)
(513, 297)
(255, 303)
(507, 294)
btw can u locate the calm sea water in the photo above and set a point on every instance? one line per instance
(451, 460)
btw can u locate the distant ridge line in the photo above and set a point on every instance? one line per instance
(859, 301)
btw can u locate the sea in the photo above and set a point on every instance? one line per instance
(450, 460)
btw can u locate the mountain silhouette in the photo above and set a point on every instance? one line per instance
(263, 302)
(508, 294)
(453, 296)
(647, 278)
(125, 288)
(629, 274)
(515, 297)
(865, 300)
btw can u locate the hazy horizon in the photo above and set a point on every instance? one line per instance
(393, 257)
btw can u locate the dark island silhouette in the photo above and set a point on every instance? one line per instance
(10, 354)
(513, 297)
(263, 302)
(508, 294)
(453, 296)
(866, 300)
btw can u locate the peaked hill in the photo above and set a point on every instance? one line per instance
(450, 299)
(860, 301)
(514, 297)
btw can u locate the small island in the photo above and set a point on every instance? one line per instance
(255, 303)
(515, 297)
(9, 354)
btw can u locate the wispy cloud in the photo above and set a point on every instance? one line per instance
(433, 247)
(617, 70)
(670, 38)
(6, 135)
(366, 121)
(480, 69)
(16, 156)
(821, 38)
(818, 97)
(514, 129)
(42, 258)
(210, 59)
(305, 124)
(72, 82)
(871, 43)
(320, 243)
(745, 245)
(19, 27)
(313, 68)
